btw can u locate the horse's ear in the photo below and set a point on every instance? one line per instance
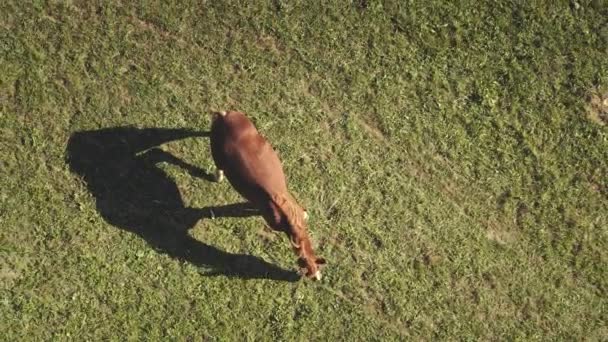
(320, 261)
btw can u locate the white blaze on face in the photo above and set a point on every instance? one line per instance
(223, 113)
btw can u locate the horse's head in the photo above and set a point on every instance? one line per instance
(310, 267)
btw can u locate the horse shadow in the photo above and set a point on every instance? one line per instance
(119, 168)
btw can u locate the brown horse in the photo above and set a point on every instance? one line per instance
(254, 170)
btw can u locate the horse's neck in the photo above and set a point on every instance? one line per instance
(294, 216)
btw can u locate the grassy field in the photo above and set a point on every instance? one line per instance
(454, 159)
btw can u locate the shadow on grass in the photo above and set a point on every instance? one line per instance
(133, 194)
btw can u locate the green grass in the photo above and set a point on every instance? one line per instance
(454, 160)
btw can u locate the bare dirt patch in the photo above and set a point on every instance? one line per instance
(597, 107)
(373, 129)
(270, 44)
(497, 232)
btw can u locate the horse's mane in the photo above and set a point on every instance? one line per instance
(294, 215)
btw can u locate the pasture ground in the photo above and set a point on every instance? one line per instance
(454, 160)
